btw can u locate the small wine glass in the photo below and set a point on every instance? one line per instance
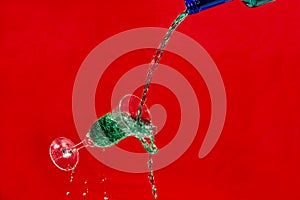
(127, 119)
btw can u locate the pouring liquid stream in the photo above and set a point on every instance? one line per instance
(152, 67)
(157, 57)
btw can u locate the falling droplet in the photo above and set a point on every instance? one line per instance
(68, 193)
(86, 190)
(103, 180)
(72, 175)
(105, 198)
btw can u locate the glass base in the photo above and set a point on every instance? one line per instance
(63, 155)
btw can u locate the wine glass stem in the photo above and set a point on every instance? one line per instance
(87, 142)
(80, 145)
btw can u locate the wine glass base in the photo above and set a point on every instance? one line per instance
(63, 155)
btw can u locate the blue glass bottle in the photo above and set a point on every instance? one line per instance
(195, 6)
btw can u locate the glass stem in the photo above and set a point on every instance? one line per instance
(87, 142)
(79, 146)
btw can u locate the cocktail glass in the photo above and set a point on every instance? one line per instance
(123, 121)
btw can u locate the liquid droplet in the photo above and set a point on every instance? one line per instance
(84, 194)
(72, 175)
(67, 193)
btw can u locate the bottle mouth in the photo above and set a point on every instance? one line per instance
(195, 6)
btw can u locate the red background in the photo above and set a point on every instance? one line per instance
(257, 51)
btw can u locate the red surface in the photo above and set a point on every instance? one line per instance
(257, 51)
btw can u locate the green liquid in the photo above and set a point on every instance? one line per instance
(116, 126)
(255, 3)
